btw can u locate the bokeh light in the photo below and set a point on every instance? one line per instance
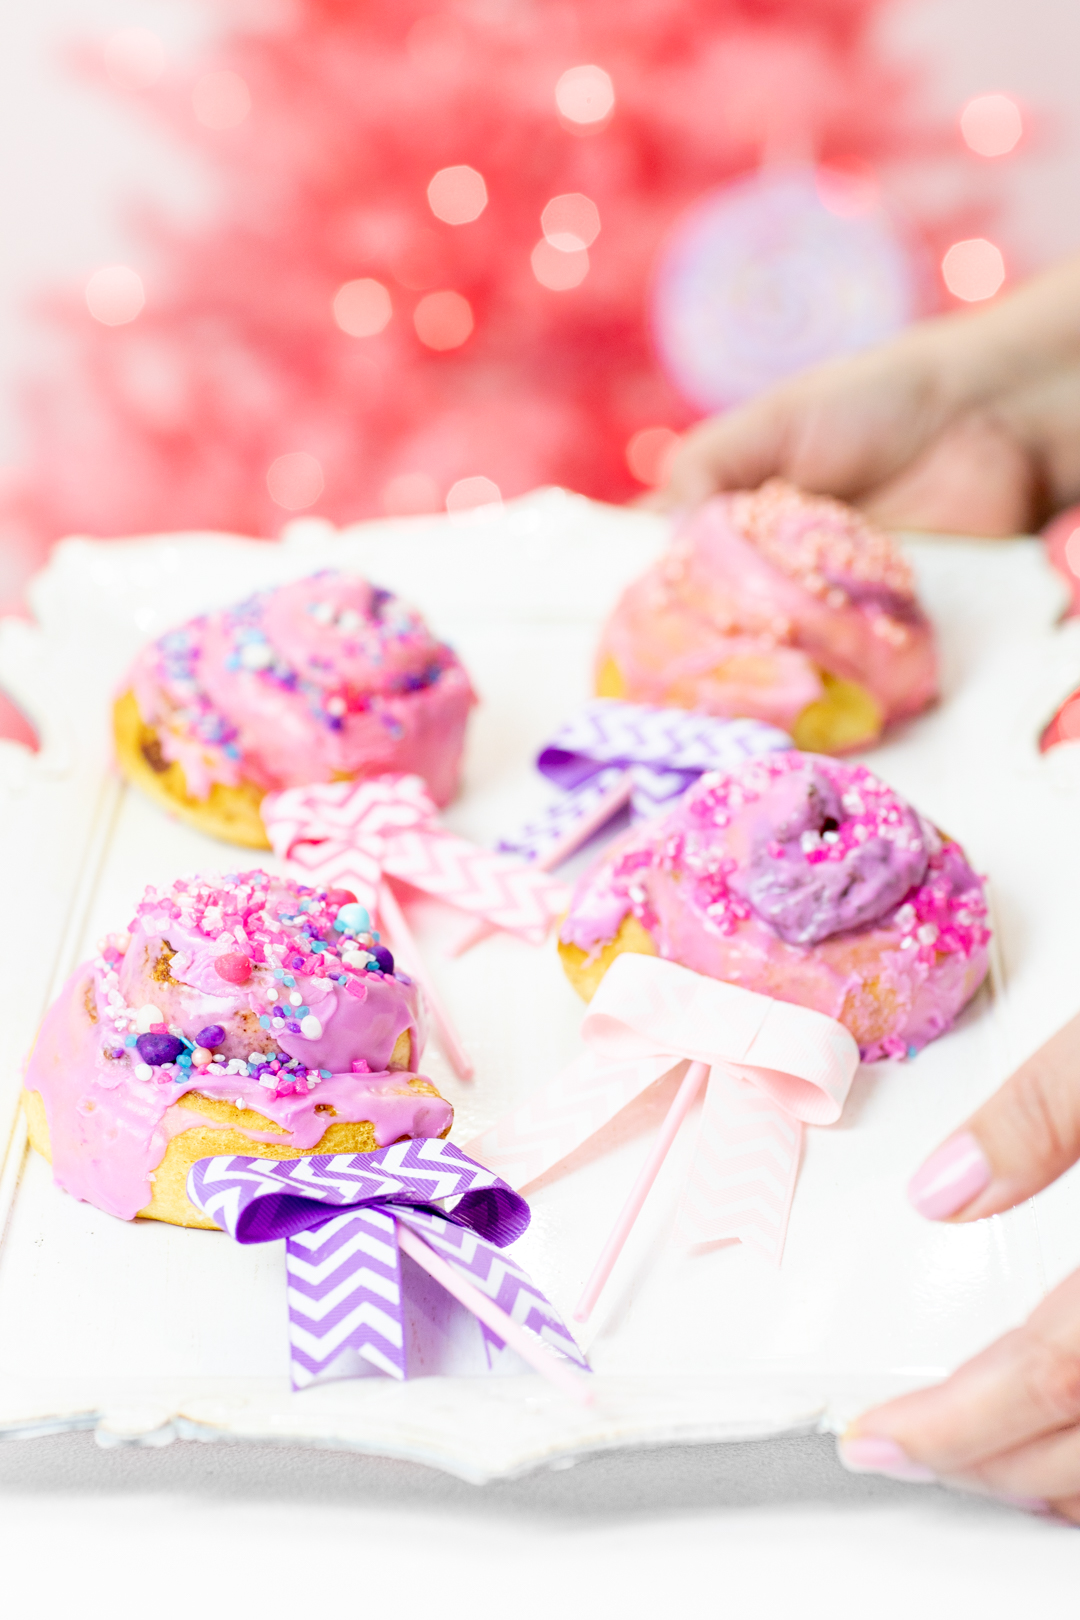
(443, 320)
(295, 481)
(649, 453)
(571, 222)
(410, 495)
(991, 125)
(221, 99)
(585, 95)
(115, 295)
(973, 269)
(469, 493)
(134, 58)
(362, 308)
(557, 269)
(457, 195)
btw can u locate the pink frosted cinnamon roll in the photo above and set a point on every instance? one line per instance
(780, 606)
(324, 679)
(806, 879)
(236, 1015)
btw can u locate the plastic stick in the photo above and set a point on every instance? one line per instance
(692, 1082)
(527, 1345)
(402, 936)
(572, 839)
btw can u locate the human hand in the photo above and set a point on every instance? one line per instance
(969, 423)
(1006, 1423)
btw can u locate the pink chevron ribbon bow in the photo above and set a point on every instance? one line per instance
(774, 1067)
(355, 833)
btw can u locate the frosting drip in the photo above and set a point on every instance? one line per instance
(304, 1023)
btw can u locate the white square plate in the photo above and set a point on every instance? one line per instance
(146, 1331)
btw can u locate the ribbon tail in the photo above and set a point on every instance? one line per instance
(745, 1165)
(492, 1271)
(546, 831)
(344, 1294)
(499, 888)
(562, 1115)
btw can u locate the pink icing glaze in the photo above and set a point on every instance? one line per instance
(111, 1116)
(920, 950)
(325, 678)
(760, 592)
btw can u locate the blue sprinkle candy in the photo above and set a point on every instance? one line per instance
(325, 1073)
(130, 1040)
(264, 1020)
(352, 919)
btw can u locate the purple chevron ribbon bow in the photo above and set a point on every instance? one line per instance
(663, 750)
(344, 1269)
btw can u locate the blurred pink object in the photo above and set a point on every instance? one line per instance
(427, 278)
(1062, 538)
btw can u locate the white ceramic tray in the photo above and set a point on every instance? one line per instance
(145, 1331)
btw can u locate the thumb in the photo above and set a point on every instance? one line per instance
(1026, 1136)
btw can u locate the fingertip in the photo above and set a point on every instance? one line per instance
(951, 1178)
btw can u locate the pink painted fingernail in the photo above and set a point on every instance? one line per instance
(873, 1454)
(1026, 1504)
(950, 1178)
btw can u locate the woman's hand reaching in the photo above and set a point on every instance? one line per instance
(1006, 1423)
(969, 423)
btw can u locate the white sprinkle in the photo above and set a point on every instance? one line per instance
(295, 998)
(216, 1068)
(271, 995)
(321, 612)
(256, 655)
(927, 934)
(908, 942)
(239, 1102)
(147, 1015)
(143, 1071)
(349, 621)
(310, 1027)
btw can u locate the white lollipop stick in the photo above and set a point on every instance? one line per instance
(402, 936)
(528, 1347)
(572, 839)
(692, 1082)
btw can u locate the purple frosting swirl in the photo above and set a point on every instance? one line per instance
(815, 870)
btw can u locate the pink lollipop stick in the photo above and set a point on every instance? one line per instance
(692, 1082)
(573, 838)
(402, 935)
(528, 1347)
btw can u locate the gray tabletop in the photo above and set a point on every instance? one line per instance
(757, 1530)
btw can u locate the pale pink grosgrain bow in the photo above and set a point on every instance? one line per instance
(770, 1066)
(353, 834)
